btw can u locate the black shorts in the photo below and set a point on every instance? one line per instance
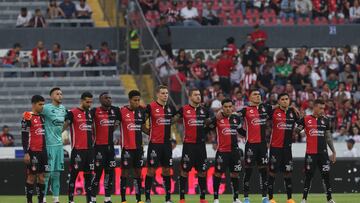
(280, 160)
(132, 158)
(228, 160)
(194, 155)
(256, 154)
(104, 156)
(320, 160)
(38, 162)
(82, 160)
(159, 155)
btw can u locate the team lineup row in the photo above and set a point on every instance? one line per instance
(92, 130)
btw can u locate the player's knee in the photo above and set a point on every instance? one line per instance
(125, 173)
(234, 175)
(201, 174)
(151, 172)
(137, 173)
(183, 173)
(31, 179)
(287, 174)
(273, 174)
(217, 174)
(166, 171)
(41, 178)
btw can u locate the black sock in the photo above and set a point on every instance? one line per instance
(88, 177)
(246, 181)
(109, 181)
(41, 191)
(182, 186)
(148, 184)
(123, 188)
(326, 181)
(307, 184)
(72, 179)
(29, 190)
(202, 184)
(216, 185)
(137, 184)
(235, 185)
(288, 187)
(167, 185)
(271, 180)
(95, 183)
(263, 181)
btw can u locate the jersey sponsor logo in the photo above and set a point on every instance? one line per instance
(157, 110)
(57, 122)
(291, 115)
(284, 126)
(85, 127)
(279, 114)
(251, 111)
(163, 121)
(40, 131)
(222, 121)
(228, 131)
(195, 122)
(127, 115)
(139, 114)
(169, 110)
(322, 121)
(107, 122)
(188, 111)
(133, 127)
(316, 132)
(309, 121)
(258, 121)
(201, 111)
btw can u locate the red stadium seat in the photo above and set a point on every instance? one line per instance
(303, 21)
(270, 21)
(321, 21)
(252, 13)
(268, 13)
(289, 21)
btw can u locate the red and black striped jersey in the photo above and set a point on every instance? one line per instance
(131, 122)
(105, 121)
(315, 130)
(226, 132)
(33, 133)
(283, 123)
(160, 122)
(194, 123)
(81, 128)
(255, 120)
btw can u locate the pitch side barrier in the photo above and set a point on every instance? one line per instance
(345, 178)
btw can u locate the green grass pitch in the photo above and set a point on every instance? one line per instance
(255, 198)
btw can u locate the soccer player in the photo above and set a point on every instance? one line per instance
(159, 152)
(54, 114)
(34, 145)
(105, 119)
(195, 117)
(81, 137)
(283, 123)
(255, 117)
(317, 130)
(132, 122)
(228, 152)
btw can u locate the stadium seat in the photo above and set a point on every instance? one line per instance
(321, 21)
(286, 22)
(303, 21)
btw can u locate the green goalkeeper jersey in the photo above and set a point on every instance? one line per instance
(54, 122)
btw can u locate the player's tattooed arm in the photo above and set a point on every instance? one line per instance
(145, 129)
(329, 140)
(175, 119)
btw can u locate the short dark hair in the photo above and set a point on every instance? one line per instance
(227, 100)
(134, 93)
(102, 94)
(23, 9)
(104, 44)
(253, 90)
(319, 101)
(158, 88)
(89, 45)
(37, 10)
(282, 95)
(5, 126)
(37, 98)
(193, 90)
(54, 89)
(57, 45)
(86, 95)
(17, 45)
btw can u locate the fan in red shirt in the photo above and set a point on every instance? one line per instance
(104, 55)
(283, 118)
(105, 118)
(12, 56)
(34, 146)
(132, 123)
(228, 152)
(318, 135)
(231, 48)
(223, 69)
(40, 56)
(88, 57)
(195, 117)
(160, 114)
(255, 117)
(82, 154)
(259, 37)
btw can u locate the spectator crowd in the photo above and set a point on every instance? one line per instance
(240, 12)
(67, 9)
(305, 74)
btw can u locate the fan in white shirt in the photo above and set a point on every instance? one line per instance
(24, 18)
(190, 14)
(351, 150)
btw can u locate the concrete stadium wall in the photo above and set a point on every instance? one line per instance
(188, 38)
